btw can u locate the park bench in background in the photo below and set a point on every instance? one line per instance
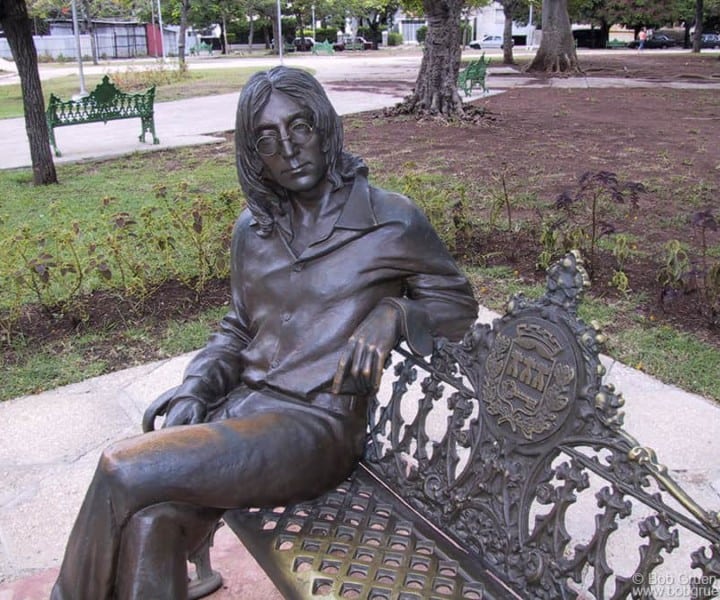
(614, 43)
(325, 47)
(474, 74)
(498, 468)
(201, 47)
(105, 103)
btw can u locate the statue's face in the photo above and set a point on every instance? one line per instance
(289, 148)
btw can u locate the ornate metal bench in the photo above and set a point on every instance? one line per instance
(325, 47)
(474, 74)
(105, 103)
(497, 469)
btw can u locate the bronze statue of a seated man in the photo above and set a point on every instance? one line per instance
(328, 274)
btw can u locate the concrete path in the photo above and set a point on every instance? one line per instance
(51, 441)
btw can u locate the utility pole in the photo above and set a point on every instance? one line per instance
(76, 29)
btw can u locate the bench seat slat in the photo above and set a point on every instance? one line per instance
(362, 531)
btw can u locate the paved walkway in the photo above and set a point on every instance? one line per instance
(51, 441)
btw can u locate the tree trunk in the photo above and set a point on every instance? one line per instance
(557, 48)
(224, 35)
(697, 40)
(18, 30)
(436, 86)
(251, 33)
(507, 35)
(277, 28)
(90, 28)
(184, 9)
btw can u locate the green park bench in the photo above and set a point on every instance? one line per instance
(325, 47)
(105, 103)
(474, 74)
(615, 43)
(498, 468)
(201, 47)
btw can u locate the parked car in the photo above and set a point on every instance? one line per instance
(659, 40)
(488, 41)
(303, 44)
(710, 40)
(352, 43)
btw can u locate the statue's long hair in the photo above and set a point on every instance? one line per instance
(264, 197)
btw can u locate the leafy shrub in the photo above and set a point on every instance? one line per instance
(444, 203)
(700, 275)
(326, 34)
(674, 273)
(160, 74)
(180, 235)
(586, 214)
(395, 39)
(421, 34)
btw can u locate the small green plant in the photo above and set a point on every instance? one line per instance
(707, 270)
(444, 203)
(204, 229)
(421, 34)
(674, 273)
(622, 251)
(588, 212)
(549, 244)
(501, 200)
(395, 39)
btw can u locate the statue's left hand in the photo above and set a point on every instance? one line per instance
(185, 411)
(368, 348)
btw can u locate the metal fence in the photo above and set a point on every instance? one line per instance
(129, 43)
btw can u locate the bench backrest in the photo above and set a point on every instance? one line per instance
(106, 97)
(496, 438)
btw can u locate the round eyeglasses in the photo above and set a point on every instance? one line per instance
(299, 133)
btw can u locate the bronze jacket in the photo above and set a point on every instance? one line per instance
(292, 315)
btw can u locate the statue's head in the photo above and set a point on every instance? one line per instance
(264, 196)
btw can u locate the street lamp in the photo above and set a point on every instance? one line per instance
(313, 18)
(530, 33)
(83, 91)
(279, 41)
(162, 36)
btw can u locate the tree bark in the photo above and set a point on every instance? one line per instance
(697, 39)
(557, 49)
(184, 9)
(18, 30)
(436, 86)
(507, 34)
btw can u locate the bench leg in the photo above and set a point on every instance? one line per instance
(51, 135)
(206, 580)
(148, 126)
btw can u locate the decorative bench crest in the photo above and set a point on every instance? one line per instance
(473, 481)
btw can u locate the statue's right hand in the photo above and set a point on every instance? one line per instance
(185, 411)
